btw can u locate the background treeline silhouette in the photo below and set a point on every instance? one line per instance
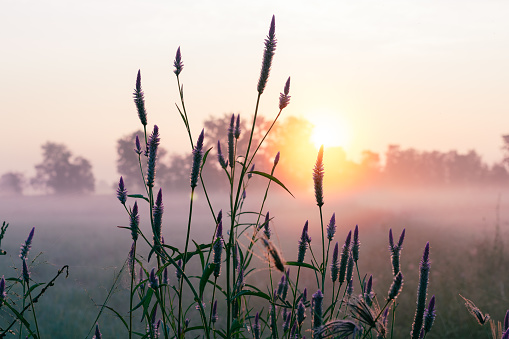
(62, 173)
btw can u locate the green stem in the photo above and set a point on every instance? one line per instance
(324, 263)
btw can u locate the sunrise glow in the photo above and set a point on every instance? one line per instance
(329, 130)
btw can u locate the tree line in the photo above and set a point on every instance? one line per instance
(62, 173)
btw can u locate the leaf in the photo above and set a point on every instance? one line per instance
(146, 299)
(117, 314)
(205, 158)
(273, 178)
(259, 294)
(302, 264)
(140, 196)
(35, 286)
(200, 252)
(205, 277)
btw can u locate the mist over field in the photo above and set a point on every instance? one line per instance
(82, 232)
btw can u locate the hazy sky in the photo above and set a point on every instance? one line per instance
(422, 74)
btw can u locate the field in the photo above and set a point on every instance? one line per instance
(82, 232)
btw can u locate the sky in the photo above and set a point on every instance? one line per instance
(431, 75)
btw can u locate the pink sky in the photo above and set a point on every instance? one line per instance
(428, 75)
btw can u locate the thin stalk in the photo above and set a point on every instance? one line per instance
(377, 317)
(185, 259)
(131, 295)
(33, 311)
(21, 323)
(212, 302)
(324, 263)
(293, 304)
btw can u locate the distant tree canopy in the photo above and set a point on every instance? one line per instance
(292, 138)
(60, 173)
(12, 183)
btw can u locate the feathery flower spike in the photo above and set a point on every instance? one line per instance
(421, 293)
(237, 127)
(284, 98)
(368, 291)
(153, 279)
(177, 272)
(318, 178)
(267, 231)
(268, 54)
(231, 149)
(334, 266)
(139, 100)
(157, 212)
(179, 65)
(256, 326)
(121, 192)
(429, 315)
(214, 312)
(197, 158)
(98, 334)
(166, 280)
(276, 159)
(301, 312)
(274, 254)
(331, 228)
(27, 245)
(220, 156)
(356, 244)
(218, 249)
(3, 294)
(137, 145)
(304, 241)
(153, 143)
(349, 268)
(476, 312)
(249, 174)
(317, 309)
(344, 258)
(135, 221)
(396, 286)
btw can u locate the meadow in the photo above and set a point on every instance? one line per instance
(82, 232)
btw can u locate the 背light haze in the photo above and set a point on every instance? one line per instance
(428, 75)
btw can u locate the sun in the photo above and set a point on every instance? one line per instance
(329, 130)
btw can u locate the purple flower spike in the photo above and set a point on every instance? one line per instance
(429, 316)
(153, 279)
(422, 291)
(177, 272)
(157, 213)
(179, 65)
(197, 158)
(334, 269)
(3, 294)
(276, 159)
(317, 309)
(219, 231)
(135, 221)
(220, 156)
(401, 238)
(231, 149)
(356, 244)
(284, 98)
(345, 251)
(304, 241)
(256, 326)
(237, 128)
(331, 228)
(268, 54)
(153, 143)
(139, 100)
(98, 334)
(137, 145)
(214, 313)
(266, 226)
(121, 192)
(27, 245)
(318, 172)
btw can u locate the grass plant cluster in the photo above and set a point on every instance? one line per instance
(222, 301)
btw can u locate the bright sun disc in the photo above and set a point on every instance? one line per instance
(329, 131)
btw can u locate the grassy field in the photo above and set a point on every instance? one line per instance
(82, 232)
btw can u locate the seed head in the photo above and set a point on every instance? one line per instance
(139, 100)
(231, 148)
(317, 309)
(98, 334)
(266, 227)
(421, 293)
(356, 244)
(276, 159)
(301, 312)
(121, 192)
(429, 315)
(157, 213)
(256, 326)
(334, 267)
(237, 128)
(318, 172)
(179, 65)
(153, 279)
(268, 53)
(214, 312)
(344, 258)
(396, 286)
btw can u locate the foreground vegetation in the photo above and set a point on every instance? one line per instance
(210, 286)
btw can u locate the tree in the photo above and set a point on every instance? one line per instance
(12, 183)
(61, 173)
